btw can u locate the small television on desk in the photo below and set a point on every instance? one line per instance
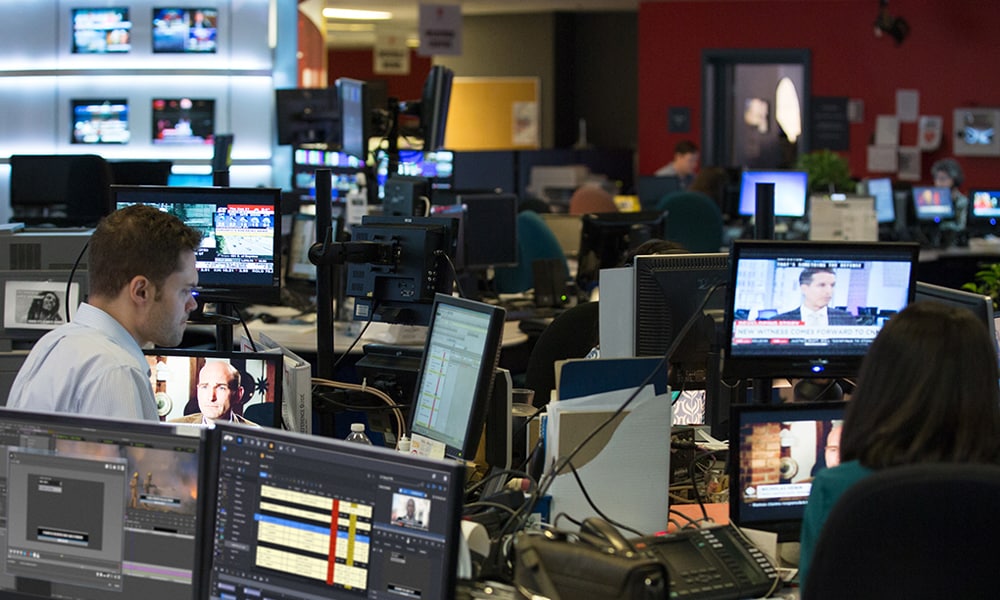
(932, 204)
(774, 452)
(790, 192)
(456, 377)
(98, 508)
(239, 259)
(853, 287)
(984, 210)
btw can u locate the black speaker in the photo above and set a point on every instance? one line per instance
(550, 282)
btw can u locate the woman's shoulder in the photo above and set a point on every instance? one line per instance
(843, 474)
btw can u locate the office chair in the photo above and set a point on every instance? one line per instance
(916, 531)
(534, 241)
(572, 334)
(693, 221)
(591, 198)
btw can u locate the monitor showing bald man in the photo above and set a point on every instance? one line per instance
(220, 395)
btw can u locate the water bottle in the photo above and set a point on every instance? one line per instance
(358, 434)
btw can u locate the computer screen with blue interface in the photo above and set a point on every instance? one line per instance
(986, 204)
(790, 191)
(932, 204)
(100, 508)
(885, 204)
(301, 516)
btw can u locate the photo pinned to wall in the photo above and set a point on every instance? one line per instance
(975, 132)
(38, 304)
(525, 120)
(908, 163)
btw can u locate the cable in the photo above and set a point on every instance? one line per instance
(454, 273)
(357, 339)
(364, 388)
(72, 272)
(599, 512)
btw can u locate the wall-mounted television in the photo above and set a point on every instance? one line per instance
(183, 121)
(101, 30)
(100, 121)
(182, 30)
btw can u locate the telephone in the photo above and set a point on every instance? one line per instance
(711, 564)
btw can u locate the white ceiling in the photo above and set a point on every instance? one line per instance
(405, 14)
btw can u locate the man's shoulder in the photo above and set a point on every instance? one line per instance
(191, 418)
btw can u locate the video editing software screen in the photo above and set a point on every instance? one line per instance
(801, 309)
(790, 192)
(456, 377)
(778, 450)
(308, 517)
(99, 508)
(240, 254)
(101, 121)
(932, 203)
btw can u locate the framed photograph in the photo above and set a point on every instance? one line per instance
(38, 304)
(975, 132)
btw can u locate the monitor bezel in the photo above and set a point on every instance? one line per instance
(805, 362)
(220, 286)
(484, 380)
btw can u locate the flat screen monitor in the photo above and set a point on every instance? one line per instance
(885, 202)
(437, 167)
(650, 188)
(932, 204)
(490, 230)
(101, 30)
(299, 270)
(985, 206)
(669, 289)
(253, 389)
(100, 121)
(811, 309)
(980, 304)
(183, 121)
(790, 192)
(401, 285)
(355, 117)
(308, 116)
(434, 102)
(239, 259)
(456, 376)
(775, 452)
(101, 508)
(606, 238)
(301, 516)
(185, 30)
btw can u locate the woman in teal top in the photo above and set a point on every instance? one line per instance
(927, 392)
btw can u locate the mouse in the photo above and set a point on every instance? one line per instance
(267, 318)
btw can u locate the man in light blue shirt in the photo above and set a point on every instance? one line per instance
(142, 282)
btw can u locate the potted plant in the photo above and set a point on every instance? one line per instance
(828, 172)
(987, 282)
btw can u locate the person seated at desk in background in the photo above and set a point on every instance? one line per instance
(684, 164)
(948, 174)
(816, 285)
(219, 395)
(927, 392)
(142, 285)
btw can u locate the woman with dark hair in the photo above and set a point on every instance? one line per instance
(927, 392)
(45, 309)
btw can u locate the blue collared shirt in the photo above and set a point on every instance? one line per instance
(90, 366)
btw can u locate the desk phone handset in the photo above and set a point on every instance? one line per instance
(711, 564)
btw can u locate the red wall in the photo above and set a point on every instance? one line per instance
(949, 57)
(359, 64)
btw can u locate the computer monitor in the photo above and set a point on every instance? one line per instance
(984, 210)
(790, 191)
(256, 395)
(669, 288)
(308, 116)
(300, 272)
(606, 238)
(885, 201)
(355, 117)
(301, 516)
(434, 102)
(650, 188)
(490, 230)
(239, 259)
(981, 305)
(775, 451)
(456, 377)
(400, 286)
(932, 204)
(858, 286)
(99, 508)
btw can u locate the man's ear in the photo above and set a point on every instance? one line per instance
(141, 289)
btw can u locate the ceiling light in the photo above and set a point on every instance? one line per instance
(350, 27)
(357, 15)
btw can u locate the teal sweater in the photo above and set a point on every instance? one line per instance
(827, 488)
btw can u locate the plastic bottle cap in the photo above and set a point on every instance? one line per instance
(358, 427)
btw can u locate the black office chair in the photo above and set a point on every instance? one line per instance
(918, 531)
(693, 221)
(572, 334)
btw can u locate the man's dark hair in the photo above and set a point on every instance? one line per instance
(137, 240)
(685, 147)
(927, 392)
(806, 276)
